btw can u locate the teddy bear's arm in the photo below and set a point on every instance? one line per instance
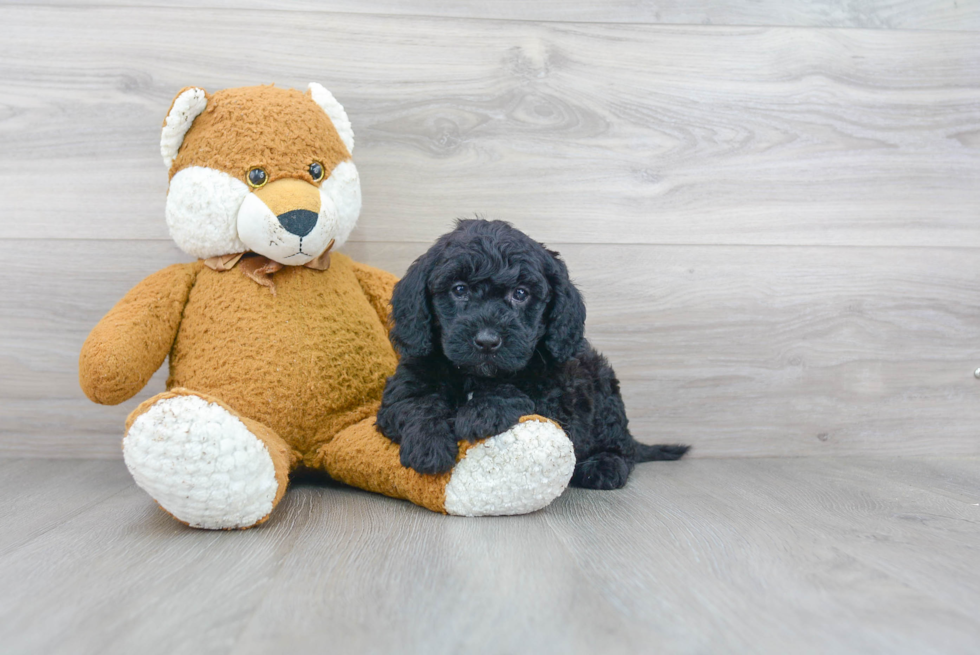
(377, 286)
(130, 342)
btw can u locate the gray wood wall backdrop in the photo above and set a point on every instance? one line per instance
(772, 207)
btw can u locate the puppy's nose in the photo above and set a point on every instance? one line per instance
(487, 340)
(298, 221)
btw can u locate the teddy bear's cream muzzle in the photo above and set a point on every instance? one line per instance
(289, 221)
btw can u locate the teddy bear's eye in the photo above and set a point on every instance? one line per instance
(316, 171)
(257, 178)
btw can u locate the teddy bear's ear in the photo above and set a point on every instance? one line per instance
(187, 106)
(335, 111)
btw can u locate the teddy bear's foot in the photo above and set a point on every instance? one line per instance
(518, 471)
(203, 463)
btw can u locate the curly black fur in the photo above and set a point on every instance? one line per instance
(490, 328)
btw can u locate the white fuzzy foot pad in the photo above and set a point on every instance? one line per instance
(201, 464)
(516, 472)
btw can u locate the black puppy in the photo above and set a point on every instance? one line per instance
(490, 328)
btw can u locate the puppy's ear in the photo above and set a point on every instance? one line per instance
(566, 314)
(411, 314)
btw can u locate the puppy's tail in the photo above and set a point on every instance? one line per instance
(659, 452)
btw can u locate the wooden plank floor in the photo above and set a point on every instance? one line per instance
(703, 556)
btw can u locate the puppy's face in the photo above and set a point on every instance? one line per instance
(487, 297)
(489, 306)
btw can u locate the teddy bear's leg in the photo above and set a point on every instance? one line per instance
(518, 471)
(203, 463)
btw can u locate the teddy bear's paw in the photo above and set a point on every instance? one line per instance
(518, 471)
(201, 464)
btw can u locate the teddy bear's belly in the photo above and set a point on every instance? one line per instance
(298, 361)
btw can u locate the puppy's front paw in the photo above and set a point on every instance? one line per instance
(436, 454)
(485, 416)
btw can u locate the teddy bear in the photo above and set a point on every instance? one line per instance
(278, 344)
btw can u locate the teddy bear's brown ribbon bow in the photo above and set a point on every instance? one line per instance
(260, 268)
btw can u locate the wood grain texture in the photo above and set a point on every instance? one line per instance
(125, 577)
(35, 499)
(872, 14)
(956, 478)
(581, 133)
(776, 227)
(428, 583)
(724, 536)
(740, 351)
(804, 555)
(881, 523)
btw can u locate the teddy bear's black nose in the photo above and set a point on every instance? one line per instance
(299, 221)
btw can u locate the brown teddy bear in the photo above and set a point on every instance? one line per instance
(278, 346)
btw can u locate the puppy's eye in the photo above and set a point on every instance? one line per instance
(257, 178)
(520, 294)
(459, 290)
(316, 171)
